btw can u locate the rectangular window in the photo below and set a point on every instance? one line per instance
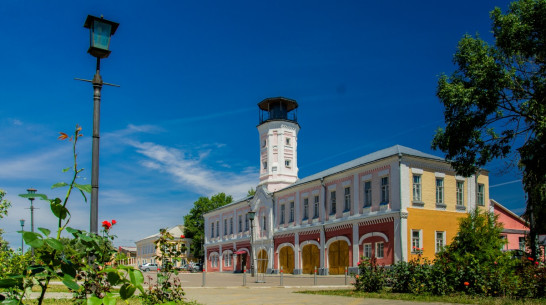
(217, 228)
(417, 188)
(292, 211)
(315, 207)
(385, 190)
(481, 194)
(231, 225)
(283, 208)
(439, 190)
(305, 208)
(332, 202)
(246, 222)
(415, 240)
(225, 226)
(347, 206)
(212, 230)
(227, 260)
(379, 247)
(287, 141)
(287, 163)
(265, 164)
(521, 244)
(264, 224)
(460, 193)
(367, 251)
(367, 194)
(440, 241)
(240, 223)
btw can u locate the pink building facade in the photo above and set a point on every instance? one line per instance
(514, 227)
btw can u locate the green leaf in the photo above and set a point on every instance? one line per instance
(10, 282)
(45, 231)
(136, 277)
(71, 230)
(59, 184)
(59, 210)
(83, 187)
(93, 300)
(126, 291)
(113, 278)
(33, 239)
(55, 244)
(84, 197)
(68, 269)
(10, 302)
(66, 169)
(41, 196)
(109, 299)
(69, 282)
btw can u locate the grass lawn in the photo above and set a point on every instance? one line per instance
(459, 298)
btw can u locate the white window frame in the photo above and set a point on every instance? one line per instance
(291, 211)
(379, 249)
(212, 230)
(439, 243)
(481, 194)
(305, 208)
(287, 141)
(217, 228)
(231, 225)
(459, 189)
(367, 250)
(283, 211)
(440, 191)
(417, 188)
(347, 197)
(333, 203)
(287, 163)
(225, 227)
(367, 193)
(385, 190)
(416, 243)
(316, 207)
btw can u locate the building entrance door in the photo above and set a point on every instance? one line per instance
(338, 257)
(310, 257)
(286, 259)
(262, 261)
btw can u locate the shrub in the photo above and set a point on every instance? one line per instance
(371, 277)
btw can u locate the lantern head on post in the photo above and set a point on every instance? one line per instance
(101, 30)
(251, 215)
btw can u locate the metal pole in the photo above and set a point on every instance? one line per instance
(97, 86)
(315, 277)
(252, 248)
(204, 277)
(32, 220)
(282, 276)
(244, 275)
(345, 275)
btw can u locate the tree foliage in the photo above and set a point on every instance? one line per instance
(194, 226)
(495, 101)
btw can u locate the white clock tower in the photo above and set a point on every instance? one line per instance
(278, 130)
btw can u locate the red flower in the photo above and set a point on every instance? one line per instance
(182, 236)
(106, 225)
(114, 222)
(466, 283)
(536, 263)
(358, 264)
(530, 258)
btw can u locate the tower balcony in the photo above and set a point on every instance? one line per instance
(278, 109)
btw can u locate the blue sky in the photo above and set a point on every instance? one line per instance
(183, 122)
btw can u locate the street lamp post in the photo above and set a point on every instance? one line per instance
(251, 216)
(22, 221)
(31, 191)
(101, 31)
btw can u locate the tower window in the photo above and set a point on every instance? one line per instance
(287, 141)
(265, 164)
(288, 163)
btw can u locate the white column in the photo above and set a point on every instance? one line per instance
(322, 243)
(355, 244)
(297, 209)
(356, 193)
(220, 258)
(297, 250)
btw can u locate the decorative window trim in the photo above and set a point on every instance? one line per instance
(417, 171)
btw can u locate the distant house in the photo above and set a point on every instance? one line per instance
(130, 254)
(146, 251)
(514, 227)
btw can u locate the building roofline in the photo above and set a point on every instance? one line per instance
(497, 204)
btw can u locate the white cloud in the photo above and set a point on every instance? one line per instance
(193, 172)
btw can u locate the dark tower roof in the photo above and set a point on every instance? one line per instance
(278, 109)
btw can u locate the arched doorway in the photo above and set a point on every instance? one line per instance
(310, 257)
(286, 259)
(338, 257)
(262, 261)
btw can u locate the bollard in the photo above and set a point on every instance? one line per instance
(204, 278)
(281, 276)
(244, 275)
(345, 275)
(315, 277)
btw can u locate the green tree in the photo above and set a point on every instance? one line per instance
(194, 226)
(495, 101)
(251, 192)
(474, 261)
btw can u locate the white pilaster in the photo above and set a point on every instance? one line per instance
(220, 258)
(356, 192)
(297, 250)
(355, 244)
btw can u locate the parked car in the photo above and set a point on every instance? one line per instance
(195, 267)
(148, 267)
